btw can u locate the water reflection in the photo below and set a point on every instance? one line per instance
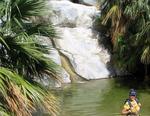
(97, 98)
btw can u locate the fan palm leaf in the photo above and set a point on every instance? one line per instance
(132, 27)
(117, 22)
(18, 15)
(135, 8)
(20, 51)
(42, 29)
(21, 97)
(21, 9)
(144, 33)
(3, 111)
(25, 55)
(114, 13)
(145, 57)
(143, 37)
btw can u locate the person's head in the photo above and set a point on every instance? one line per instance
(132, 94)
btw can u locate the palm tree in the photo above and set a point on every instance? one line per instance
(19, 97)
(22, 58)
(128, 26)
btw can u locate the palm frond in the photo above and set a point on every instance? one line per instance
(2, 8)
(18, 15)
(21, 9)
(20, 97)
(135, 8)
(3, 111)
(42, 29)
(128, 19)
(143, 36)
(20, 51)
(144, 31)
(145, 57)
(114, 13)
(3, 42)
(26, 57)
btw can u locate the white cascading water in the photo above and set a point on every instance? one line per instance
(78, 42)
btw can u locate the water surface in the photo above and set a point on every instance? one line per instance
(98, 98)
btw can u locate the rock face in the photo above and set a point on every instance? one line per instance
(88, 2)
(84, 53)
(78, 41)
(68, 14)
(54, 55)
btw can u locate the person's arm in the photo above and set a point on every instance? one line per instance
(125, 111)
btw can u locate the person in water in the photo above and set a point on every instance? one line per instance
(132, 105)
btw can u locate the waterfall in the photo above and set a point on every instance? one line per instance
(78, 42)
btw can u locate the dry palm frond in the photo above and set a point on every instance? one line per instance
(50, 104)
(145, 58)
(117, 31)
(114, 13)
(19, 103)
(21, 98)
(54, 75)
(117, 25)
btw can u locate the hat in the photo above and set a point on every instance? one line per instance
(132, 92)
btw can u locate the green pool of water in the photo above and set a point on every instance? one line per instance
(98, 98)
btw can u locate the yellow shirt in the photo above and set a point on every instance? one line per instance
(134, 107)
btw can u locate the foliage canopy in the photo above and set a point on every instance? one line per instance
(127, 23)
